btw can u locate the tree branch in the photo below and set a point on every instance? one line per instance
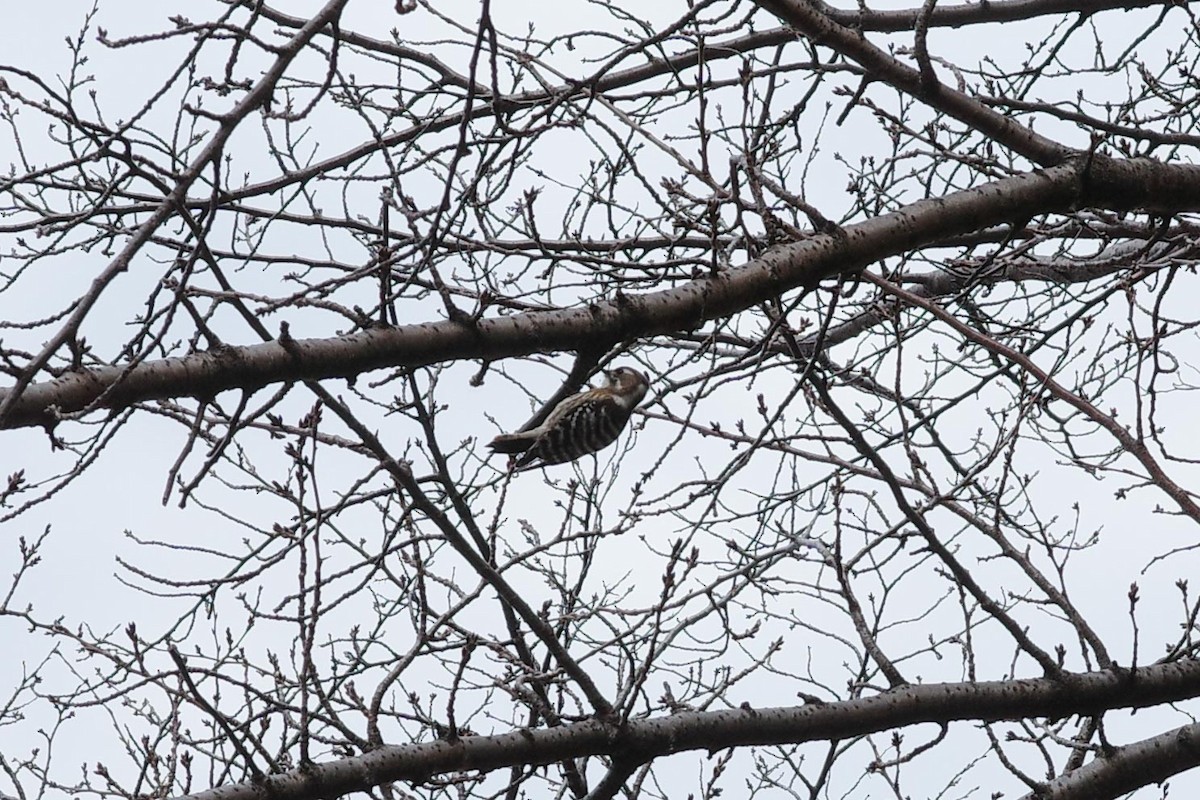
(1098, 182)
(646, 739)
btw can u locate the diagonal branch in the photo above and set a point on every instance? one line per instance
(1129, 442)
(810, 19)
(1125, 769)
(257, 97)
(1097, 181)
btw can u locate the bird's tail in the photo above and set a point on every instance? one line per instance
(512, 442)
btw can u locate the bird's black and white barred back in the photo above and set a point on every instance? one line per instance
(581, 424)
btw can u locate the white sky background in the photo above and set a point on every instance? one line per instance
(78, 579)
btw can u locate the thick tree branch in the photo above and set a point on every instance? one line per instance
(1096, 182)
(960, 14)
(651, 738)
(1128, 768)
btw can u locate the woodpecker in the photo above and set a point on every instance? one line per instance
(583, 423)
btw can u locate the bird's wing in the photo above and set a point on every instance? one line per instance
(581, 424)
(570, 405)
(522, 441)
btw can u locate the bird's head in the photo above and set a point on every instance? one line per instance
(628, 384)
